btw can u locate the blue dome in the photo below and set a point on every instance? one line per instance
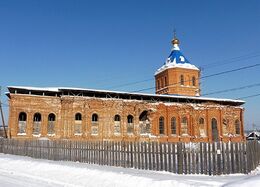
(178, 57)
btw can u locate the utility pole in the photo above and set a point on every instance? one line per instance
(2, 114)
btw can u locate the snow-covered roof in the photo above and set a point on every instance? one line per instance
(176, 60)
(60, 90)
(46, 89)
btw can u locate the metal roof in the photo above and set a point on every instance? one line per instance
(62, 91)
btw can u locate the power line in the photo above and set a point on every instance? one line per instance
(206, 66)
(207, 76)
(233, 89)
(229, 61)
(229, 71)
(249, 96)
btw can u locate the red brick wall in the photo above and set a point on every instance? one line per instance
(66, 107)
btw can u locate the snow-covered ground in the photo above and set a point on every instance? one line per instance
(24, 171)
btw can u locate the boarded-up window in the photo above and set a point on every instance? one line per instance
(202, 129)
(130, 124)
(94, 124)
(161, 125)
(144, 123)
(184, 126)
(78, 124)
(51, 124)
(37, 123)
(225, 127)
(22, 123)
(117, 125)
(173, 126)
(237, 126)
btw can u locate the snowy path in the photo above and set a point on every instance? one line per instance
(24, 171)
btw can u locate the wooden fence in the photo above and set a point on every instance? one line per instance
(181, 158)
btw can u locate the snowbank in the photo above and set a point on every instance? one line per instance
(25, 171)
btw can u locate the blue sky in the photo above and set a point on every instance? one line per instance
(103, 44)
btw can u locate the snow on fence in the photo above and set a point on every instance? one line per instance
(181, 158)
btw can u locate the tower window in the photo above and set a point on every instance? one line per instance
(182, 80)
(162, 83)
(193, 81)
(165, 81)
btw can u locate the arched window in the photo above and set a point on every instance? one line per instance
(184, 126)
(37, 123)
(51, 117)
(158, 84)
(94, 118)
(22, 116)
(144, 123)
(117, 118)
(162, 82)
(237, 127)
(94, 125)
(202, 129)
(78, 116)
(37, 117)
(78, 124)
(173, 126)
(22, 123)
(165, 80)
(214, 129)
(161, 125)
(182, 80)
(51, 124)
(193, 81)
(130, 124)
(117, 125)
(225, 127)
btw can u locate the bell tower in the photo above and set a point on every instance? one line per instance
(177, 76)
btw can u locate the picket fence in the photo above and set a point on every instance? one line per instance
(180, 158)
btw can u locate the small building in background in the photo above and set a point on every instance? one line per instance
(255, 135)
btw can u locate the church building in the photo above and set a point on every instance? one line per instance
(175, 113)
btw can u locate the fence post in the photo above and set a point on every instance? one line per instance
(180, 157)
(218, 159)
(1, 145)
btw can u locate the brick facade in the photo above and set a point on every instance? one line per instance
(169, 82)
(66, 107)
